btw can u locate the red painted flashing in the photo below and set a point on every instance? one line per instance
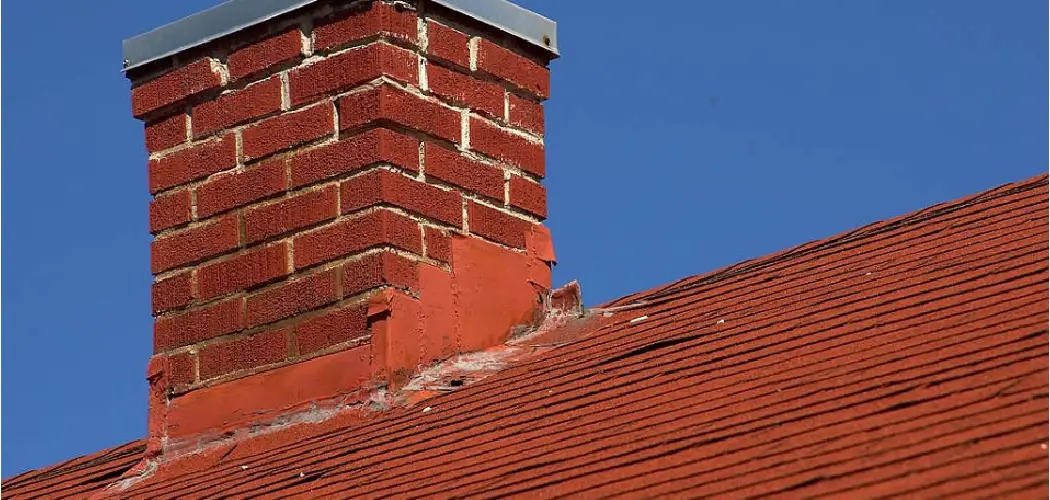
(315, 383)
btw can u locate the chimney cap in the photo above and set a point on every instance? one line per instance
(235, 15)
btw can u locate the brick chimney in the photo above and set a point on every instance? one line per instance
(342, 192)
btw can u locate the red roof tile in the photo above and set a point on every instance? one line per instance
(907, 357)
(77, 477)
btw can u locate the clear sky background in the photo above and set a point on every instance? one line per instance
(682, 137)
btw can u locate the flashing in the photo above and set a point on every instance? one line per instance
(235, 15)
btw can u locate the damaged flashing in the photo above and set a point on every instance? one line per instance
(562, 316)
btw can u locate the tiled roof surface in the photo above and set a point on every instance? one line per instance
(907, 358)
(77, 477)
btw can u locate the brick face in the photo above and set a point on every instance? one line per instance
(348, 155)
(238, 107)
(454, 168)
(378, 269)
(199, 324)
(334, 327)
(166, 132)
(286, 130)
(193, 163)
(354, 25)
(181, 370)
(439, 245)
(448, 44)
(236, 189)
(525, 114)
(193, 78)
(257, 350)
(291, 298)
(506, 65)
(265, 53)
(169, 210)
(174, 292)
(389, 103)
(256, 267)
(289, 214)
(381, 227)
(386, 187)
(528, 196)
(502, 145)
(458, 88)
(496, 225)
(349, 69)
(195, 243)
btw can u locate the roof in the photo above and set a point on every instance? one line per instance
(77, 477)
(907, 357)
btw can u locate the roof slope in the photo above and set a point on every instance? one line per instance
(907, 357)
(77, 477)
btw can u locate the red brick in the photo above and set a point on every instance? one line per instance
(497, 226)
(192, 163)
(197, 325)
(174, 292)
(236, 189)
(448, 44)
(381, 227)
(502, 145)
(265, 53)
(354, 25)
(349, 69)
(295, 297)
(169, 210)
(439, 244)
(386, 187)
(193, 78)
(506, 65)
(378, 269)
(478, 95)
(454, 168)
(286, 130)
(256, 267)
(181, 370)
(260, 349)
(166, 132)
(290, 214)
(390, 103)
(354, 153)
(194, 244)
(238, 107)
(525, 114)
(335, 327)
(528, 196)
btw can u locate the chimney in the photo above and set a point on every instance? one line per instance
(342, 192)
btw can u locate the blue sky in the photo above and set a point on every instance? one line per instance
(682, 137)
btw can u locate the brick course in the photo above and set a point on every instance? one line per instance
(265, 53)
(237, 107)
(193, 163)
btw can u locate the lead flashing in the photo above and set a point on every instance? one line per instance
(235, 15)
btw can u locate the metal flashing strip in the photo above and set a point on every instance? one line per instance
(235, 15)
